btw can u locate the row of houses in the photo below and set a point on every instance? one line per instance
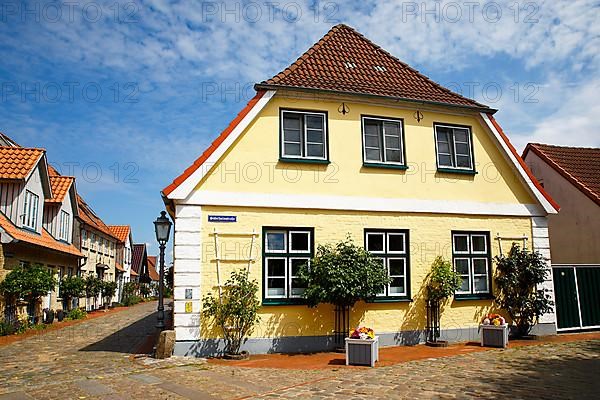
(350, 141)
(45, 221)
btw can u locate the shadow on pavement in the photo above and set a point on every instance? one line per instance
(136, 338)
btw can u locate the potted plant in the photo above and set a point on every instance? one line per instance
(362, 347)
(234, 311)
(442, 282)
(108, 290)
(342, 274)
(93, 287)
(494, 331)
(71, 287)
(519, 276)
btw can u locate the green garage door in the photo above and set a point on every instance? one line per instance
(577, 295)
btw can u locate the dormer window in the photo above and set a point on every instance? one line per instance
(303, 136)
(30, 212)
(379, 68)
(64, 225)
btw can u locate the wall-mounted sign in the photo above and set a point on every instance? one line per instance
(222, 218)
(188, 294)
(188, 306)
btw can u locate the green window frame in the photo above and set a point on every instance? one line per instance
(285, 249)
(472, 259)
(303, 136)
(383, 142)
(454, 148)
(392, 247)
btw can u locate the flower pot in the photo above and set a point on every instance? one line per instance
(362, 351)
(494, 335)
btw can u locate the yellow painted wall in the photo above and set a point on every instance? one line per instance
(252, 165)
(430, 236)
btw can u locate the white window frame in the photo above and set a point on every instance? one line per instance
(383, 242)
(486, 275)
(31, 210)
(285, 242)
(387, 238)
(382, 138)
(64, 225)
(453, 144)
(84, 239)
(468, 275)
(404, 260)
(295, 276)
(289, 248)
(473, 247)
(267, 276)
(468, 243)
(304, 136)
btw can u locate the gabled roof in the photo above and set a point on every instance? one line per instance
(18, 162)
(152, 269)
(6, 141)
(121, 232)
(138, 256)
(44, 239)
(60, 187)
(344, 61)
(579, 165)
(90, 218)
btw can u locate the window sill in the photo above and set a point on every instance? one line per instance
(482, 296)
(303, 161)
(390, 300)
(283, 302)
(456, 171)
(384, 165)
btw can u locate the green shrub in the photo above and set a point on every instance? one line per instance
(6, 328)
(71, 287)
(76, 313)
(131, 300)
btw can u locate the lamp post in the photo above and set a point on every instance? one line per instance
(162, 228)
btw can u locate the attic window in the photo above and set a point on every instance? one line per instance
(380, 68)
(349, 64)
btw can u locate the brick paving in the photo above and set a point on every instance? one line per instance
(95, 360)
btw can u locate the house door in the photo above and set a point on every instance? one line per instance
(577, 292)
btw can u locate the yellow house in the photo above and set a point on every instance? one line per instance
(350, 140)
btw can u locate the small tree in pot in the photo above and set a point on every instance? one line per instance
(342, 274)
(71, 287)
(442, 282)
(519, 275)
(235, 311)
(108, 291)
(93, 287)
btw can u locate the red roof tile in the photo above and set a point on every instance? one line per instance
(347, 62)
(138, 253)
(43, 240)
(119, 267)
(152, 269)
(18, 162)
(121, 232)
(579, 165)
(60, 187)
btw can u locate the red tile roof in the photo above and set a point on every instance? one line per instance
(152, 269)
(89, 217)
(18, 162)
(579, 165)
(60, 187)
(211, 149)
(121, 232)
(347, 62)
(119, 267)
(43, 240)
(138, 254)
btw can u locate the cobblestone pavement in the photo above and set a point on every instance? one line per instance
(93, 360)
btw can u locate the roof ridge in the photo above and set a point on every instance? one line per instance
(556, 146)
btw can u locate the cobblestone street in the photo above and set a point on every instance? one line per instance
(94, 360)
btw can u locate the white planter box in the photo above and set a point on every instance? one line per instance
(494, 336)
(362, 351)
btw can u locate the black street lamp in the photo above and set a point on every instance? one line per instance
(162, 228)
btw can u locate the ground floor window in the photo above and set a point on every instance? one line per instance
(392, 248)
(285, 251)
(472, 260)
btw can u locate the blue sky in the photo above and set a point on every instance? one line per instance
(124, 95)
